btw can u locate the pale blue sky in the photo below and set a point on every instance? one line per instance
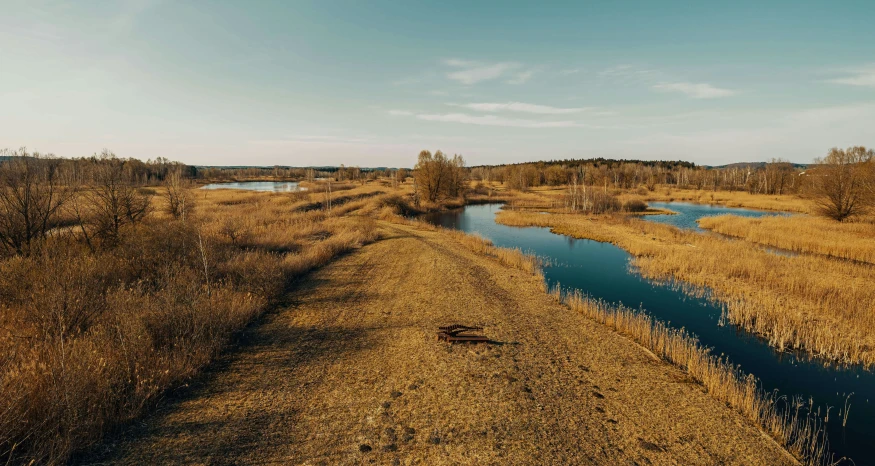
(372, 83)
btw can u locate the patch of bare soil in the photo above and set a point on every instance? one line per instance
(351, 373)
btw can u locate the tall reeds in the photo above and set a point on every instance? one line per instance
(816, 304)
(790, 421)
(802, 234)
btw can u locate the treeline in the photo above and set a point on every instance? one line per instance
(598, 161)
(776, 177)
(97, 195)
(341, 173)
(81, 170)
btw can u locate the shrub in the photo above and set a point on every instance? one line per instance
(603, 203)
(635, 205)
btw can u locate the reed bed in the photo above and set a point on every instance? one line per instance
(778, 202)
(790, 421)
(511, 257)
(92, 338)
(812, 303)
(807, 235)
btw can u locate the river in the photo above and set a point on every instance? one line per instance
(603, 271)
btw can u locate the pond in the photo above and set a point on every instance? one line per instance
(269, 186)
(603, 271)
(688, 214)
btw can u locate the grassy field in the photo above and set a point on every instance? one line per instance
(350, 372)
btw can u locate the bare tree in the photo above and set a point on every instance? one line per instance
(400, 176)
(176, 193)
(457, 176)
(31, 196)
(430, 174)
(841, 184)
(437, 176)
(115, 201)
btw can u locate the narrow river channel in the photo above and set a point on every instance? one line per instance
(603, 271)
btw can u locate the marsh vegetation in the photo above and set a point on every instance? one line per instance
(119, 279)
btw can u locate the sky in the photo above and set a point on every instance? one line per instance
(372, 83)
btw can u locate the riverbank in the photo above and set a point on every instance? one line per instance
(827, 314)
(349, 371)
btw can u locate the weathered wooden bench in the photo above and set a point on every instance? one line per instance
(457, 334)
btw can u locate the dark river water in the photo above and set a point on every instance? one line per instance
(603, 271)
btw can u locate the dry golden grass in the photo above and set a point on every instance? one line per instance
(351, 373)
(796, 429)
(828, 313)
(802, 234)
(793, 427)
(511, 257)
(92, 338)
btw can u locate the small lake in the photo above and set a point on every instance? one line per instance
(268, 186)
(603, 271)
(688, 214)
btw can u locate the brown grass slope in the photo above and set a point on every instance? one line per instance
(351, 373)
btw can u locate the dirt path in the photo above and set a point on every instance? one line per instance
(351, 373)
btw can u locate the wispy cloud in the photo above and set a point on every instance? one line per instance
(629, 72)
(313, 139)
(695, 90)
(521, 77)
(473, 73)
(862, 76)
(519, 107)
(492, 120)
(802, 134)
(455, 62)
(469, 72)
